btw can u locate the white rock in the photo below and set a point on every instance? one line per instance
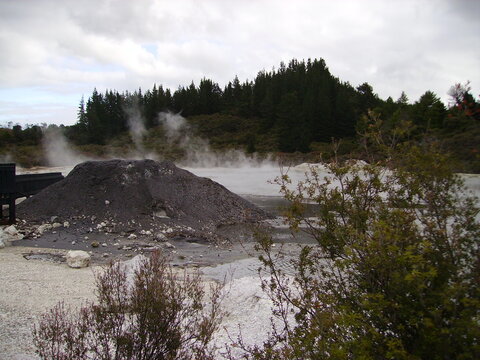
(10, 230)
(107, 202)
(44, 227)
(2, 243)
(160, 237)
(104, 244)
(11, 233)
(160, 214)
(66, 224)
(56, 225)
(132, 236)
(78, 259)
(169, 245)
(148, 232)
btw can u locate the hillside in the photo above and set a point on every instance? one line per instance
(296, 109)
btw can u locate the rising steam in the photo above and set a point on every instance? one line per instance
(136, 128)
(198, 152)
(178, 133)
(58, 151)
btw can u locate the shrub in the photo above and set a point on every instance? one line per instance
(395, 269)
(155, 315)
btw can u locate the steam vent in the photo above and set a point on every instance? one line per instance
(143, 192)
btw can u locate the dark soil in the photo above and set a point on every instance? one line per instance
(130, 195)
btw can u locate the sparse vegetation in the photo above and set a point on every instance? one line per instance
(151, 314)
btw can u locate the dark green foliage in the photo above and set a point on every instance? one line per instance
(429, 112)
(300, 102)
(395, 270)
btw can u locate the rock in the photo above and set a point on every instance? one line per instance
(53, 218)
(160, 237)
(169, 245)
(107, 202)
(44, 227)
(11, 233)
(10, 230)
(95, 244)
(104, 245)
(2, 243)
(161, 214)
(132, 236)
(56, 225)
(66, 224)
(78, 259)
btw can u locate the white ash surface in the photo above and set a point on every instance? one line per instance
(28, 289)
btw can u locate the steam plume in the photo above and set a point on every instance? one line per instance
(136, 128)
(57, 150)
(198, 152)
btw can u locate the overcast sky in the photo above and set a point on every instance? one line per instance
(54, 51)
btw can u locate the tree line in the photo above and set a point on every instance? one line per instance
(297, 104)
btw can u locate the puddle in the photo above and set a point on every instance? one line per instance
(56, 258)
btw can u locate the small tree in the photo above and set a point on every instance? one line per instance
(155, 315)
(395, 269)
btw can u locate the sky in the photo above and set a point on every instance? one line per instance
(53, 52)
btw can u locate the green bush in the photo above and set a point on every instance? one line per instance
(395, 269)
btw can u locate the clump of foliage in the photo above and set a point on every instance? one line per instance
(395, 269)
(155, 315)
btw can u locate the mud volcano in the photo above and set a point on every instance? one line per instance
(142, 192)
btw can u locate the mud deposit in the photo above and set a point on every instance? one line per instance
(140, 191)
(117, 208)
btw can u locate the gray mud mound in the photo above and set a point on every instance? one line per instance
(143, 191)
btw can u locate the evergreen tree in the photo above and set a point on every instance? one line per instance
(428, 112)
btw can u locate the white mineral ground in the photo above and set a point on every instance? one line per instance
(29, 287)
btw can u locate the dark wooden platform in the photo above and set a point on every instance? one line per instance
(14, 186)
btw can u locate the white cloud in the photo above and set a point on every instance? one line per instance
(70, 47)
